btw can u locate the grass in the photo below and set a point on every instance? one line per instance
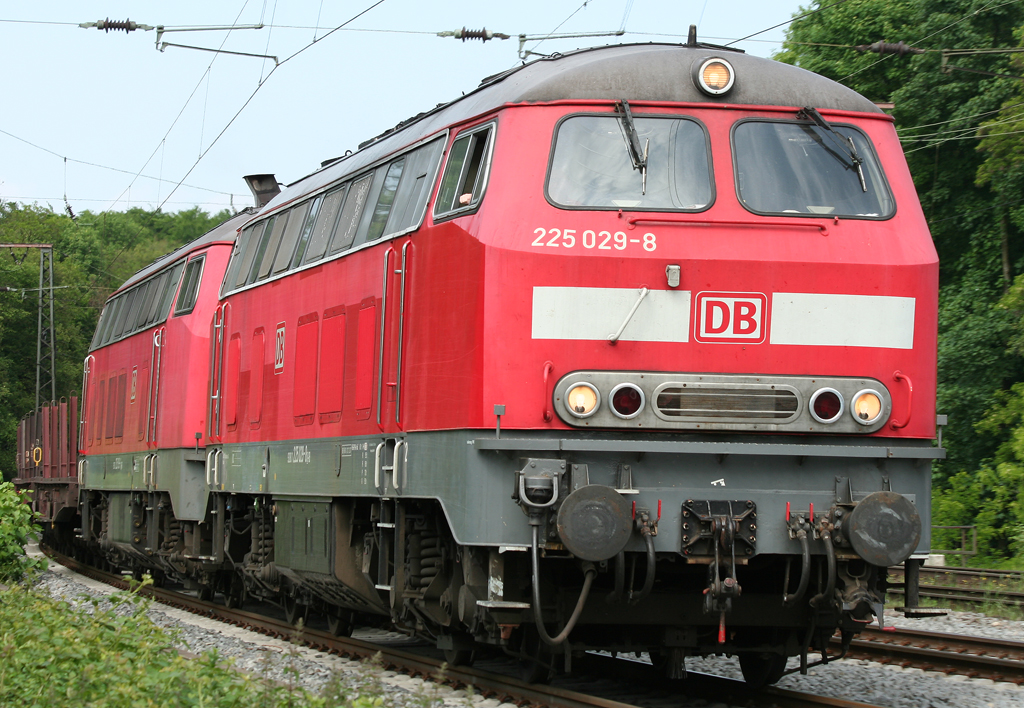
(55, 654)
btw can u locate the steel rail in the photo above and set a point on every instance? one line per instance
(977, 657)
(697, 686)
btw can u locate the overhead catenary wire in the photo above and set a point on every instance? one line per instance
(180, 112)
(929, 137)
(560, 24)
(248, 100)
(108, 167)
(783, 24)
(990, 6)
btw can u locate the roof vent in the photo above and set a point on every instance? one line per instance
(263, 188)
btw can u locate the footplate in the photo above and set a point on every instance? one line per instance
(730, 524)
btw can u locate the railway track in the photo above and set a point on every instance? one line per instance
(968, 586)
(622, 683)
(976, 657)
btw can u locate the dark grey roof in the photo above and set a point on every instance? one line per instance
(635, 72)
(225, 231)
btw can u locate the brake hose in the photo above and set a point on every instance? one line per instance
(830, 556)
(805, 571)
(649, 578)
(588, 580)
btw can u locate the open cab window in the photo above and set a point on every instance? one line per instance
(465, 174)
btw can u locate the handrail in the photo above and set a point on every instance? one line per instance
(383, 329)
(376, 465)
(900, 376)
(774, 223)
(86, 370)
(401, 333)
(400, 446)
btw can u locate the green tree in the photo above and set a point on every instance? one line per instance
(93, 255)
(968, 197)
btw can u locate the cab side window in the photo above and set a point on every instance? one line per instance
(190, 286)
(465, 174)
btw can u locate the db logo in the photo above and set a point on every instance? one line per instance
(279, 349)
(730, 317)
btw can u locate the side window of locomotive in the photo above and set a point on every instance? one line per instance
(115, 308)
(142, 319)
(348, 221)
(157, 290)
(465, 174)
(170, 289)
(280, 224)
(307, 230)
(414, 189)
(296, 220)
(131, 324)
(190, 286)
(97, 336)
(259, 249)
(238, 253)
(386, 200)
(248, 253)
(122, 314)
(324, 225)
(785, 167)
(592, 165)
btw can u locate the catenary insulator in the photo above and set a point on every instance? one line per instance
(483, 34)
(109, 24)
(898, 48)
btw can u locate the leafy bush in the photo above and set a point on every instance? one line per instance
(55, 655)
(16, 527)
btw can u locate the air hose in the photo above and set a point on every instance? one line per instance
(830, 556)
(649, 578)
(588, 580)
(805, 571)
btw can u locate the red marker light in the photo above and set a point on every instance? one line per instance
(787, 512)
(659, 510)
(812, 512)
(634, 511)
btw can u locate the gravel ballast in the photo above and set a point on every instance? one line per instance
(278, 660)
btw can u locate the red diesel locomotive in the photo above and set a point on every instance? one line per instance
(634, 345)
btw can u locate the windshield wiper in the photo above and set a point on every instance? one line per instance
(852, 159)
(636, 156)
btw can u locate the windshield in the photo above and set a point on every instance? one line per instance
(797, 168)
(592, 165)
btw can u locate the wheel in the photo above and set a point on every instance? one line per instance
(235, 595)
(459, 657)
(762, 669)
(294, 610)
(339, 623)
(535, 658)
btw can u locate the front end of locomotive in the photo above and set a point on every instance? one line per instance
(714, 378)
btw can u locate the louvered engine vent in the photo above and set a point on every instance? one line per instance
(735, 403)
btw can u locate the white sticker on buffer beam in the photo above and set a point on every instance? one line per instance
(820, 319)
(597, 313)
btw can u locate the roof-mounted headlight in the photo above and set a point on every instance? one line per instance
(714, 76)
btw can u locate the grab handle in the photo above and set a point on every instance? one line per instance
(900, 376)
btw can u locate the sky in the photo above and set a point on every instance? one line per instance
(108, 122)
